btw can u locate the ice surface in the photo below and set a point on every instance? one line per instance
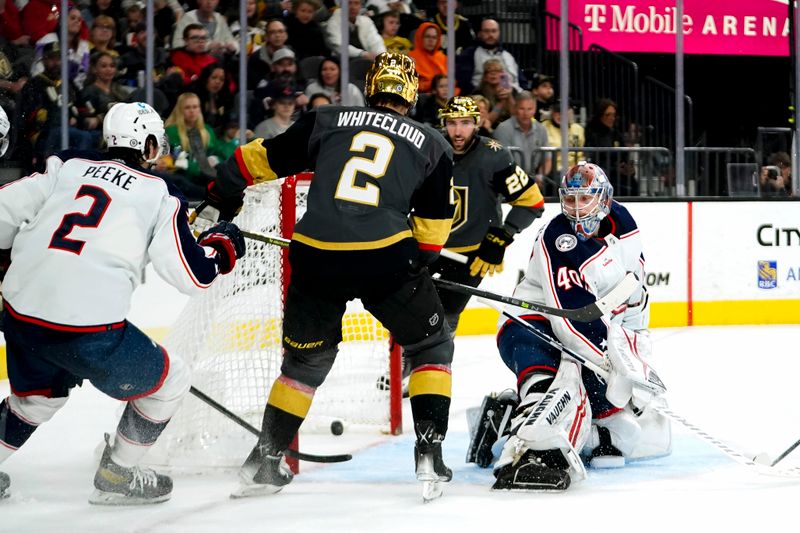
(737, 383)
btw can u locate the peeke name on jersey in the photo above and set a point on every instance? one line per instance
(105, 173)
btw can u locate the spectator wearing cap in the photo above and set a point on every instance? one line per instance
(470, 62)
(281, 103)
(259, 64)
(220, 38)
(543, 91)
(78, 51)
(41, 111)
(283, 72)
(193, 57)
(365, 41)
(305, 34)
(329, 82)
(464, 35)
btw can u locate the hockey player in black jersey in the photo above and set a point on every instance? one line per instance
(484, 176)
(379, 211)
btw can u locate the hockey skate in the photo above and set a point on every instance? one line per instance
(5, 483)
(120, 485)
(430, 467)
(490, 422)
(540, 471)
(262, 473)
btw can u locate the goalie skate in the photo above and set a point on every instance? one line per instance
(262, 474)
(120, 485)
(429, 465)
(536, 471)
(5, 483)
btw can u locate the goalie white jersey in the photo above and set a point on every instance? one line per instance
(83, 233)
(567, 272)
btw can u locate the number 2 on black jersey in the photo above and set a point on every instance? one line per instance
(90, 219)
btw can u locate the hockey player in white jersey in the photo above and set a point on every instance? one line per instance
(563, 411)
(81, 235)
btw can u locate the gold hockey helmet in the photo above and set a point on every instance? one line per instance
(459, 107)
(393, 73)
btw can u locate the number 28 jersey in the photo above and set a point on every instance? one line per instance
(81, 236)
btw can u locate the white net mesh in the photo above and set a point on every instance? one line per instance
(231, 337)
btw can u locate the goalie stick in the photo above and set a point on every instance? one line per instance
(602, 370)
(289, 452)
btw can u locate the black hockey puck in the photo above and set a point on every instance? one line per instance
(337, 428)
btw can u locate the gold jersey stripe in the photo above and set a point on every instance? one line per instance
(289, 399)
(254, 155)
(430, 382)
(430, 230)
(530, 198)
(368, 245)
(462, 249)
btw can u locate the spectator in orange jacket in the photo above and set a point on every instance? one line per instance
(427, 55)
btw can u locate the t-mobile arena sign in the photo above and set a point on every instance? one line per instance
(735, 27)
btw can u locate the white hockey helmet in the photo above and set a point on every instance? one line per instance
(5, 129)
(585, 195)
(131, 125)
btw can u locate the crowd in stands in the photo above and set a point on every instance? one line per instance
(293, 66)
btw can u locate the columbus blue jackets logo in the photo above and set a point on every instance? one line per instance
(767, 274)
(566, 242)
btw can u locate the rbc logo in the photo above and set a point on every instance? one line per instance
(767, 274)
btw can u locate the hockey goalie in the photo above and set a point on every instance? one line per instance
(563, 415)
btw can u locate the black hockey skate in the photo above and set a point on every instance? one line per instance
(540, 471)
(263, 472)
(489, 425)
(5, 483)
(119, 485)
(428, 462)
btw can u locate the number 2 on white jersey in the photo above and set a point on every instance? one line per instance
(368, 193)
(91, 219)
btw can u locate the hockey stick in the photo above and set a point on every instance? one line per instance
(602, 370)
(786, 452)
(291, 453)
(587, 313)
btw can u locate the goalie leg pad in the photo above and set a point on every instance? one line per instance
(559, 420)
(487, 424)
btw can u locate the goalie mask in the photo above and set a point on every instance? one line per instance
(5, 129)
(136, 126)
(395, 74)
(585, 194)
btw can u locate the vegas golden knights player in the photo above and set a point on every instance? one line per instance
(484, 176)
(379, 211)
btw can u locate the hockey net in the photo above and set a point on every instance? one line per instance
(231, 337)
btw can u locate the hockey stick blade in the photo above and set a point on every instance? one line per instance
(312, 458)
(587, 313)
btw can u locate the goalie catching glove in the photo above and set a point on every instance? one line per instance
(490, 254)
(227, 240)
